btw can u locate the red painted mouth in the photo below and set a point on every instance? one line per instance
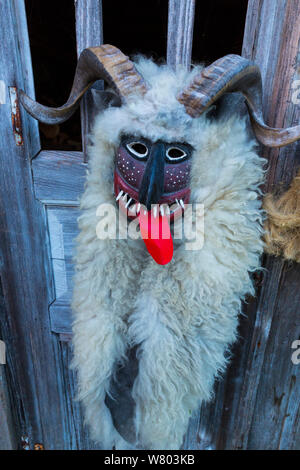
(171, 204)
(154, 224)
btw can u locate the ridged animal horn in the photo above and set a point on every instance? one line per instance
(95, 63)
(232, 74)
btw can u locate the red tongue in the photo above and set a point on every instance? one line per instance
(157, 236)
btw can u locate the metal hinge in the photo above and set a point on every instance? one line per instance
(16, 115)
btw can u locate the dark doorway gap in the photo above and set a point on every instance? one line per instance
(218, 29)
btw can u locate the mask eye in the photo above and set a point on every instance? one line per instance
(138, 149)
(175, 154)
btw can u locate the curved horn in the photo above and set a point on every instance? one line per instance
(232, 74)
(104, 62)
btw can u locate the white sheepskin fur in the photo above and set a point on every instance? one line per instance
(183, 316)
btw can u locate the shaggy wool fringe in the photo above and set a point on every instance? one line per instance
(182, 317)
(282, 227)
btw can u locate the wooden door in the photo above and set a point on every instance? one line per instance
(39, 192)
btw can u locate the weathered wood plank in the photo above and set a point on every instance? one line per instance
(62, 223)
(25, 269)
(8, 439)
(180, 32)
(273, 42)
(8, 431)
(252, 373)
(26, 65)
(272, 35)
(58, 176)
(89, 32)
(58, 182)
(246, 412)
(40, 404)
(61, 319)
(272, 46)
(78, 437)
(277, 404)
(279, 64)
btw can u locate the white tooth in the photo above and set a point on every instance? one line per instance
(177, 201)
(145, 212)
(128, 202)
(133, 208)
(155, 211)
(162, 211)
(182, 203)
(138, 207)
(124, 197)
(119, 195)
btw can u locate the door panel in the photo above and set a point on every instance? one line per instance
(39, 194)
(62, 223)
(58, 183)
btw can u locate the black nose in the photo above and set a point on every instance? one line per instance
(152, 186)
